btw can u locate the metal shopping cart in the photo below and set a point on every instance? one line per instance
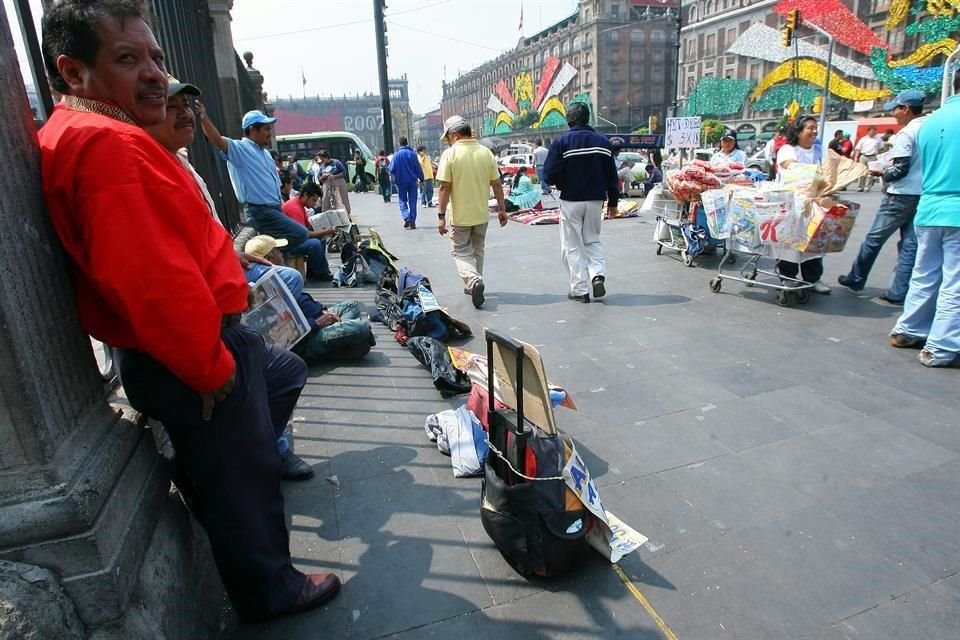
(674, 230)
(790, 291)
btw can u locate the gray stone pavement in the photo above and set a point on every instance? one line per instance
(797, 477)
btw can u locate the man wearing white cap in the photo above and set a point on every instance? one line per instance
(467, 171)
(257, 185)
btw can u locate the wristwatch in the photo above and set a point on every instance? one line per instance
(441, 214)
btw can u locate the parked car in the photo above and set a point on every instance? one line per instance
(758, 161)
(510, 164)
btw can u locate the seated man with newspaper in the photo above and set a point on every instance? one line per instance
(339, 332)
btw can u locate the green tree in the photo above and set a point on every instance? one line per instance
(641, 130)
(710, 132)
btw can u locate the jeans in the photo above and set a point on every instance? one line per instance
(810, 270)
(315, 250)
(290, 276)
(231, 462)
(581, 251)
(544, 187)
(932, 306)
(407, 194)
(895, 212)
(384, 184)
(349, 339)
(270, 220)
(426, 192)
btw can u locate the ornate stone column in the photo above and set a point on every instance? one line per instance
(226, 59)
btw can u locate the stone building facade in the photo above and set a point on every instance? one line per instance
(361, 114)
(617, 55)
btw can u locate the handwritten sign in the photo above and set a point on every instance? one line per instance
(682, 133)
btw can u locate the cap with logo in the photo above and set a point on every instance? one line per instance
(175, 87)
(251, 118)
(452, 123)
(908, 98)
(261, 246)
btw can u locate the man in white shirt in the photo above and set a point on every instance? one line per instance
(903, 179)
(539, 157)
(867, 149)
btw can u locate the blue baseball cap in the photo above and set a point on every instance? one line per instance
(908, 98)
(251, 118)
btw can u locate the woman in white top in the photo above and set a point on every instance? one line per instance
(729, 151)
(802, 147)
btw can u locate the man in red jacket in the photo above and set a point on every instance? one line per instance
(157, 278)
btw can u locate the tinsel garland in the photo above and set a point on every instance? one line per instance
(717, 97)
(899, 9)
(926, 79)
(934, 30)
(942, 7)
(836, 19)
(816, 73)
(926, 51)
(776, 97)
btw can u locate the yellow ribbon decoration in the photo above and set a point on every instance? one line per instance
(505, 118)
(815, 72)
(926, 51)
(552, 104)
(898, 12)
(945, 8)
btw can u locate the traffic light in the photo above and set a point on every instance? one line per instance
(818, 104)
(652, 126)
(786, 34)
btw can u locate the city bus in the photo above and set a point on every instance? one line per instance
(340, 144)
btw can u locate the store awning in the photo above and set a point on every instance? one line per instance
(765, 135)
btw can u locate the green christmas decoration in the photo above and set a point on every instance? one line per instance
(934, 30)
(554, 120)
(488, 124)
(781, 95)
(717, 97)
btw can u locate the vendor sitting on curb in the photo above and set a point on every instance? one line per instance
(340, 332)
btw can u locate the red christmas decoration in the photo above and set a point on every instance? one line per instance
(837, 20)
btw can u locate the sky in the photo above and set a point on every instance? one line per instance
(333, 43)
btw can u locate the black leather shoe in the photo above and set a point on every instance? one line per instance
(317, 590)
(294, 468)
(598, 289)
(476, 294)
(890, 300)
(584, 298)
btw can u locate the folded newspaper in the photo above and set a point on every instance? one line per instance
(331, 218)
(274, 312)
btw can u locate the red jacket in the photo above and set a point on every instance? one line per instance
(153, 270)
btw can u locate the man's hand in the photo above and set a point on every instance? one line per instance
(442, 227)
(502, 217)
(612, 212)
(200, 109)
(326, 319)
(217, 395)
(247, 259)
(323, 233)
(876, 173)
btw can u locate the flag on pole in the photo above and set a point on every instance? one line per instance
(303, 77)
(520, 28)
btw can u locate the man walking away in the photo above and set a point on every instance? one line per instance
(426, 165)
(580, 163)
(407, 174)
(257, 185)
(467, 171)
(333, 179)
(899, 205)
(539, 158)
(867, 149)
(931, 312)
(162, 285)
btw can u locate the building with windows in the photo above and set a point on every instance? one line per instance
(616, 55)
(733, 66)
(361, 115)
(427, 130)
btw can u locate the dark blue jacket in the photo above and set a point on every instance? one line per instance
(405, 166)
(581, 164)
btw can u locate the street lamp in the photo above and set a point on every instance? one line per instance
(616, 129)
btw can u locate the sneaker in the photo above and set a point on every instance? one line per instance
(476, 294)
(584, 298)
(406, 224)
(294, 468)
(904, 341)
(847, 281)
(820, 287)
(598, 289)
(927, 359)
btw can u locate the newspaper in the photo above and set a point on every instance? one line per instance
(331, 218)
(274, 312)
(611, 537)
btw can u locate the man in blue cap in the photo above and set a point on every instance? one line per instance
(257, 185)
(931, 312)
(902, 179)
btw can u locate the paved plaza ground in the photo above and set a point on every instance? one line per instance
(798, 478)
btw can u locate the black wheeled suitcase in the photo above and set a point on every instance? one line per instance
(536, 522)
